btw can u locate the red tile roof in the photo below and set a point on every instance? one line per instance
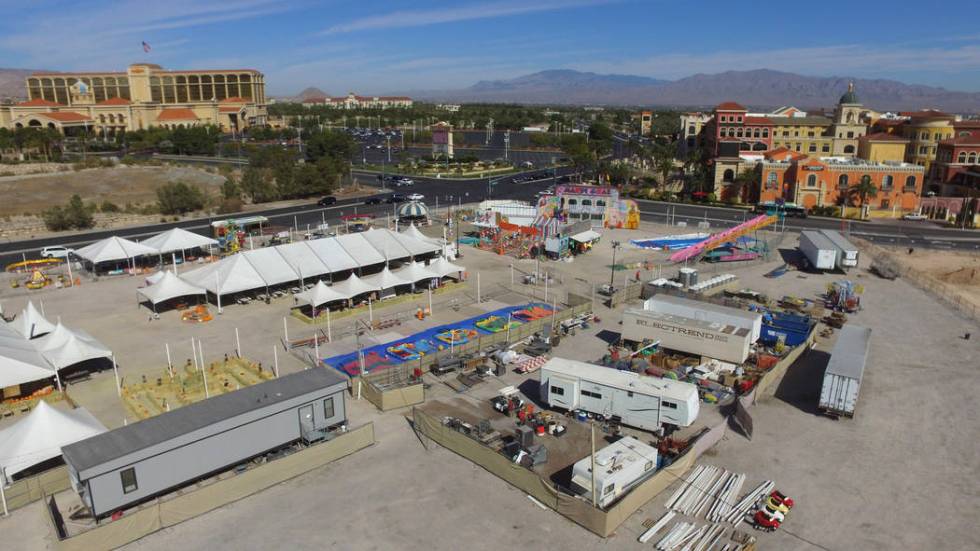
(178, 114)
(883, 137)
(758, 121)
(38, 102)
(729, 106)
(115, 101)
(65, 116)
(967, 124)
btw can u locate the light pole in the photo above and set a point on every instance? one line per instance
(612, 268)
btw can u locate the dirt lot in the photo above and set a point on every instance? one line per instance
(961, 271)
(121, 185)
(901, 475)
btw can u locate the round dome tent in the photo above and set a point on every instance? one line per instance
(412, 211)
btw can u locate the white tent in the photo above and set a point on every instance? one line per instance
(271, 266)
(353, 286)
(114, 249)
(20, 362)
(169, 286)
(385, 279)
(154, 277)
(303, 260)
(178, 239)
(63, 347)
(416, 271)
(232, 274)
(413, 231)
(332, 254)
(31, 323)
(385, 242)
(40, 436)
(360, 249)
(416, 245)
(446, 268)
(320, 294)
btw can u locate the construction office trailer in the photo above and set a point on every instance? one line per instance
(719, 341)
(619, 467)
(842, 380)
(706, 311)
(126, 466)
(637, 400)
(847, 253)
(819, 251)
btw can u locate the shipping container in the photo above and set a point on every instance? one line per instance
(719, 341)
(842, 380)
(637, 400)
(847, 253)
(819, 251)
(707, 311)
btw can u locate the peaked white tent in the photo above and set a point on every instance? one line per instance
(31, 323)
(154, 277)
(332, 254)
(64, 347)
(385, 242)
(385, 280)
(353, 286)
(232, 274)
(303, 260)
(320, 294)
(417, 246)
(178, 239)
(416, 271)
(169, 286)
(113, 249)
(40, 435)
(271, 266)
(446, 268)
(360, 249)
(20, 361)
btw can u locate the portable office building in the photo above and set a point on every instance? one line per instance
(847, 253)
(706, 311)
(619, 467)
(698, 337)
(842, 380)
(134, 463)
(821, 253)
(638, 400)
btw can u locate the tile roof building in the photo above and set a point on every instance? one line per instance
(353, 101)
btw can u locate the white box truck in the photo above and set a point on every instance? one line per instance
(847, 253)
(637, 400)
(619, 467)
(842, 380)
(819, 251)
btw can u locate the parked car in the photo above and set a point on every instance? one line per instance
(327, 201)
(372, 201)
(404, 182)
(395, 198)
(916, 216)
(416, 197)
(57, 251)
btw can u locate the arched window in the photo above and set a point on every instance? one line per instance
(586, 202)
(910, 183)
(729, 175)
(690, 129)
(850, 118)
(572, 202)
(600, 203)
(811, 180)
(972, 158)
(731, 132)
(886, 182)
(765, 132)
(961, 158)
(842, 181)
(757, 133)
(848, 149)
(738, 132)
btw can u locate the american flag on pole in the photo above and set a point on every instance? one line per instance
(146, 47)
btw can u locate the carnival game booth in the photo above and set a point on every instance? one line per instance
(181, 245)
(115, 255)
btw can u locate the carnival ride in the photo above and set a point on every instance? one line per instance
(695, 251)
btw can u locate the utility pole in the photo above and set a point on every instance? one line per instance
(612, 269)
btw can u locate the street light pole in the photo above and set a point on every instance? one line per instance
(612, 268)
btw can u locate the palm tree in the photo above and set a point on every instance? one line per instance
(864, 189)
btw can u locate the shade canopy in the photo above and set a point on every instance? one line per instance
(31, 323)
(20, 361)
(303, 259)
(586, 236)
(416, 271)
(320, 294)
(169, 286)
(178, 239)
(354, 286)
(65, 347)
(360, 249)
(40, 436)
(113, 249)
(413, 209)
(445, 268)
(386, 242)
(386, 279)
(272, 267)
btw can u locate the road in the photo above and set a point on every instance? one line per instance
(901, 233)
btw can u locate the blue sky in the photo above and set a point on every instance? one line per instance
(372, 46)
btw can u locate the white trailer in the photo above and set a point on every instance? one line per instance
(619, 467)
(704, 338)
(706, 311)
(847, 253)
(842, 380)
(637, 400)
(821, 253)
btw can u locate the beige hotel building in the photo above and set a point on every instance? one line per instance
(143, 96)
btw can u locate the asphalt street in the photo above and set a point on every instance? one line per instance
(902, 233)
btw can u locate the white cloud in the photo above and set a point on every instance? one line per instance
(419, 18)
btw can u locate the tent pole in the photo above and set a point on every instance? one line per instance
(71, 278)
(57, 378)
(316, 346)
(238, 344)
(174, 257)
(285, 329)
(275, 360)
(170, 364)
(200, 352)
(329, 336)
(115, 371)
(194, 353)
(217, 290)
(370, 311)
(430, 301)
(204, 372)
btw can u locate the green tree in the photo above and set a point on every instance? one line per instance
(230, 188)
(864, 189)
(179, 198)
(74, 215)
(257, 184)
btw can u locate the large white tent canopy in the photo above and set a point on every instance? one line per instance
(385, 279)
(387, 243)
(414, 232)
(31, 323)
(40, 436)
(320, 294)
(416, 271)
(353, 286)
(64, 347)
(20, 360)
(333, 255)
(169, 286)
(271, 266)
(303, 260)
(232, 274)
(360, 249)
(114, 249)
(178, 239)
(446, 268)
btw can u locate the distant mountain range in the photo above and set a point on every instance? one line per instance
(759, 88)
(12, 82)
